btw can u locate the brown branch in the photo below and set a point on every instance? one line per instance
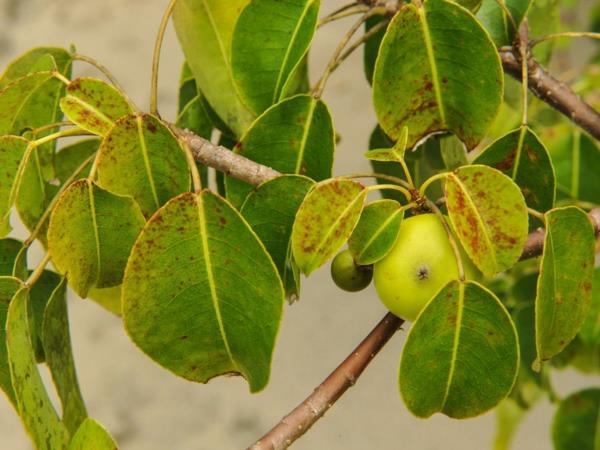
(296, 423)
(555, 93)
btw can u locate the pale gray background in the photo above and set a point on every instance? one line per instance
(147, 408)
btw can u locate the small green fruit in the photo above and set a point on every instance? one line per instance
(418, 266)
(349, 276)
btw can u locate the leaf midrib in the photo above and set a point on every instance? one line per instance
(455, 342)
(377, 233)
(144, 149)
(308, 124)
(96, 111)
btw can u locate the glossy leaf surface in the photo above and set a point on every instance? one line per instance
(212, 22)
(91, 233)
(523, 157)
(461, 355)
(376, 231)
(437, 70)
(94, 105)
(489, 215)
(564, 287)
(269, 41)
(201, 296)
(325, 221)
(35, 408)
(141, 157)
(270, 211)
(295, 136)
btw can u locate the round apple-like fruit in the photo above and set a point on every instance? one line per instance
(418, 266)
(349, 276)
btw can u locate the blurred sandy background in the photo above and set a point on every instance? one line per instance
(147, 408)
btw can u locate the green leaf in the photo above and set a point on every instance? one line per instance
(9, 250)
(35, 408)
(497, 23)
(24, 63)
(564, 286)
(325, 221)
(270, 210)
(94, 105)
(576, 423)
(453, 152)
(294, 136)
(195, 117)
(201, 296)
(12, 151)
(59, 356)
(523, 293)
(461, 355)
(371, 47)
(489, 215)
(270, 39)
(212, 23)
(590, 330)
(394, 154)
(70, 158)
(471, 5)
(91, 234)
(39, 295)
(142, 158)
(108, 298)
(522, 156)
(8, 288)
(576, 157)
(376, 231)
(20, 269)
(437, 70)
(91, 435)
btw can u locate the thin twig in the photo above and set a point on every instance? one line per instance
(297, 422)
(344, 11)
(364, 38)
(156, 57)
(572, 34)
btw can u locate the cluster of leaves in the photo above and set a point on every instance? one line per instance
(200, 277)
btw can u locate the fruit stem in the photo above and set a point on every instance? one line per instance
(453, 243)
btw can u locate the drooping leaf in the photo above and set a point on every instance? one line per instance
(270, 211)
(24, 63)
(495, 20)
(394, 154)
(461, 355)
(437, 70)
(94, 105)
(109, 298)
(376, 231)
(576, 423)
(295, 136)
(575, 157)
(90, 235)
(91, 435)
(212, 23)
(59, 357)
(12, 152)
(39, 295)
(8, 288)
(142, 158)
(35, 408)
(69, 158)
(523, 157)
(564, 287)
(201, 296)
(269, 41)
(590, 330)
(325, 221)
(9, 250)
(489, 215)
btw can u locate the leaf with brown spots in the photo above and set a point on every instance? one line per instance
(461, 356)
(489, 214)
(91, 435)
(294, 136)
(522, 156)
(564, 288)
(325, 221)
(90, 235)
(141, 157)
(201, 295)
(35, 408)
(94, 105)
(437, 70)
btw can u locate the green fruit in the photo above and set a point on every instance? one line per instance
(349, 276)
(418, 266)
